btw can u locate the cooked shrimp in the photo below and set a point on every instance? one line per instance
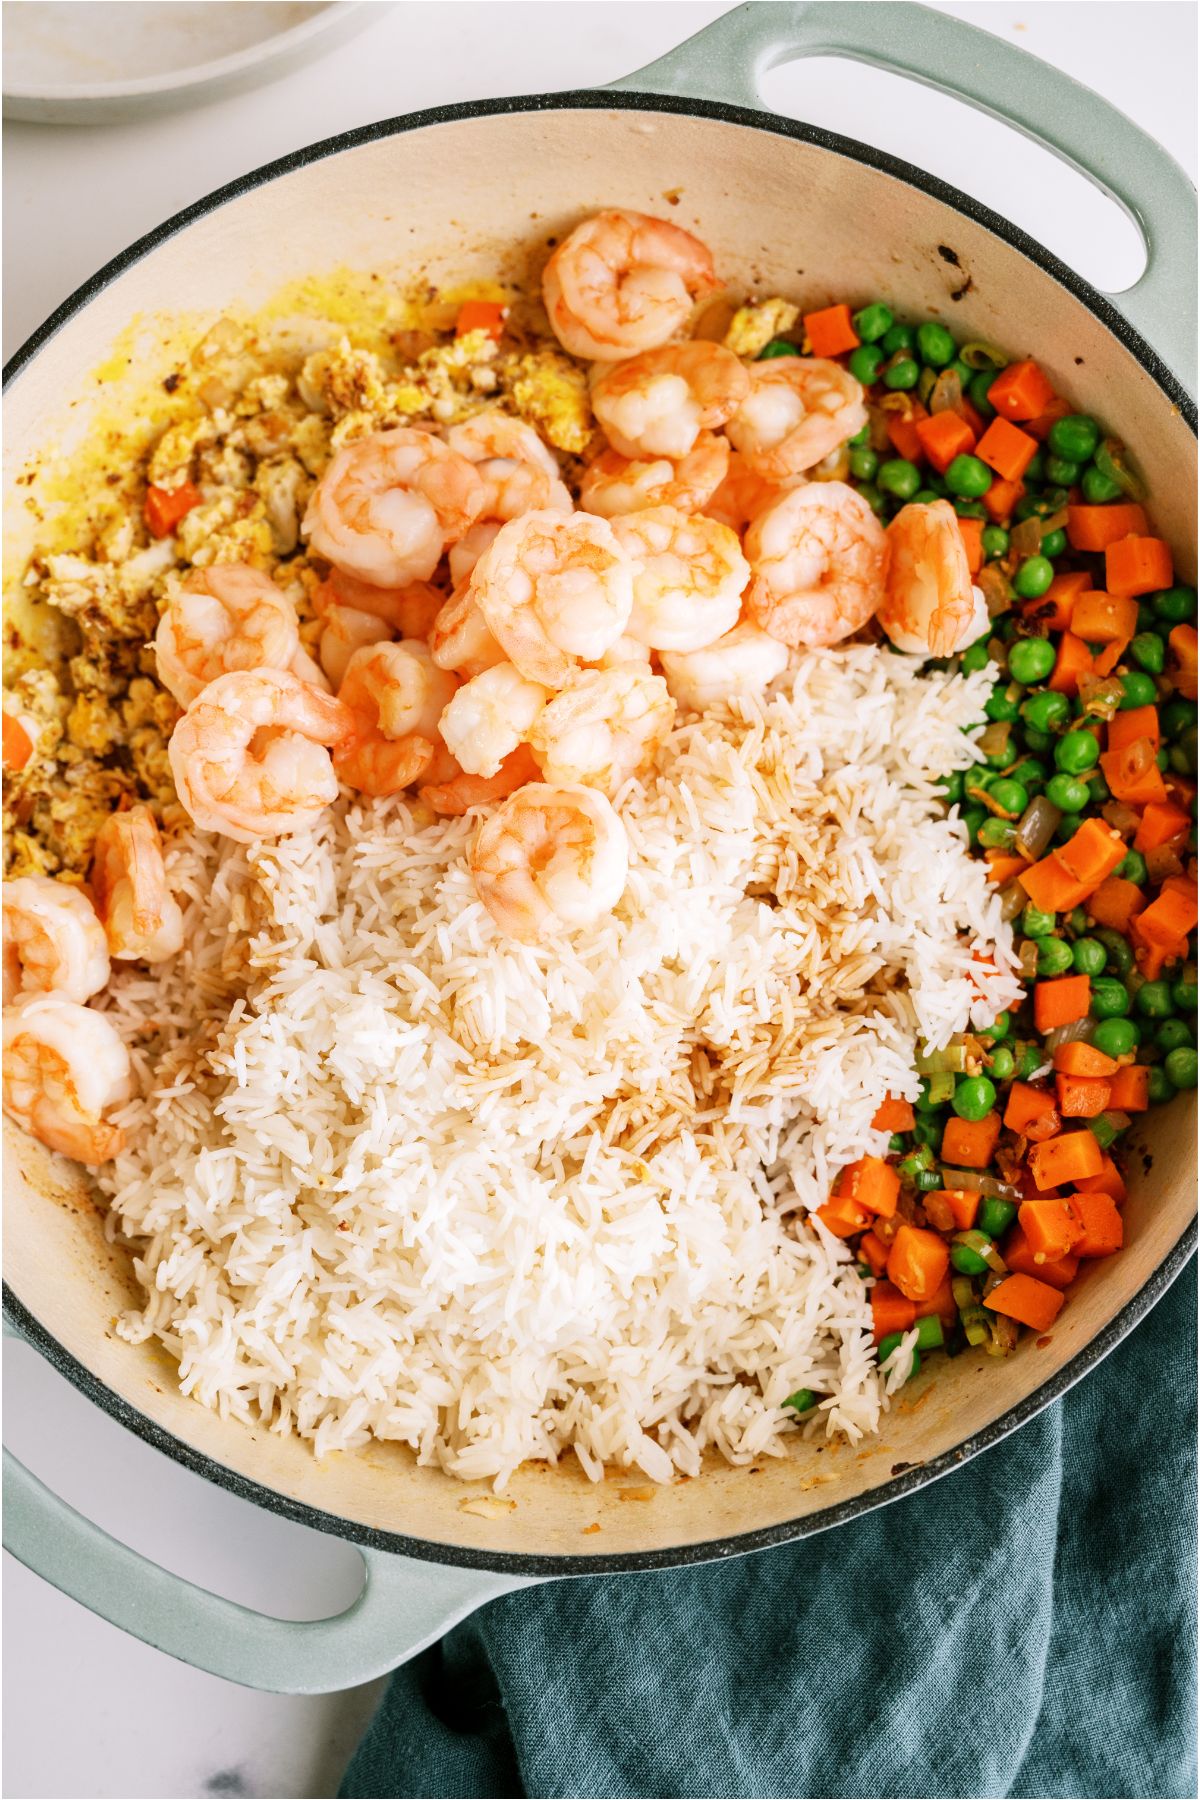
(461, 792)
(221, 618)
(470, 547)
(624, 282)
(658, 403)
(517, 468)
(555, 589)
(744, 661)
(140, 915)
(799, 408)
(689, 580)
(343, 631)
(397, 694)
(931, 607)
(489, 716)
(387, 506)
(409, 610)
(604, 726)
(741, 496)
(53, 941)
(250, 756)
(549, 859)
(627, 653)
(819, 557)
(64, 1066)
(613, 484)
(460, 640)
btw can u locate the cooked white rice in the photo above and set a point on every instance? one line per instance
(396, 1175)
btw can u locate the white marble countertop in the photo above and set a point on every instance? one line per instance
(88, 1711)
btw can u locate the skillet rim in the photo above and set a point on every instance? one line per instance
(1098, 1347)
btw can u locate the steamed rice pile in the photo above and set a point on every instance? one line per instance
(398, 1176)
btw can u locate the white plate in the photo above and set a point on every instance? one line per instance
(76, 63)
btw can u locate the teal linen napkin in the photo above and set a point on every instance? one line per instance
(1026, 1626)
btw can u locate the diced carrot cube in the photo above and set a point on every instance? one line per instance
(944, 436)
(1029, 1301)
(1019, 1257)
(894, 1114)
(830, 331)
(1001, 497)
(1101, 618)
(1082, 1096)
(1021, 391)
(1064, 1160)
(1061, 1001)
(1050, 1231)
(917, 1262)
(1094, 528)
(1100, 1226)
(1129, 1089)
(1137, 565)
(890, 1310)
(1006, 449)
(1073, 660)
(971, 1143)
(1125, 728)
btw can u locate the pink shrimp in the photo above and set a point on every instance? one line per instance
(657, 404)
(387, 506)
(612, 484)
(396, 694)
(819, 557)
(623, 282)
(798, 410)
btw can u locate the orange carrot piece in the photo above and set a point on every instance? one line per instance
(918, 1262)
(1006, 449)
(1049, 1229)
(165, 507)
(963, 1204)
(971, 531)
(1031, 1112)
(1001, 867)
(1021, 391)
(1168, 919)
(890, 1310)
(944, 436)
(902, 433)
(18, 745)
(1019, 1257)
(1137, 565)
(1074, 659)
(1050, 887)
(1001, 497)
(1162, 822)
(1061, 1001)
(1183, 642)
(1084, 1059)
(843, 1217)
(1130, 1089)
(871, 1183)
(1125, 728)
(481, 315)
(1101, 618)
(1116, 901)
(1108, 1180)
(1057, 604)
(1064, 1160)
(1082, 1097)
(1101, 1229)
(970, 1143)
(1092, 853)
(1041, 427)
(894, 1114)
(943, 1303)
(830, 331)
(1027, 1300)
(1133, 775)
(1094, 528)
(873, 1252)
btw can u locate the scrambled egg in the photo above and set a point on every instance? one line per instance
(550, 392)
(754, 325)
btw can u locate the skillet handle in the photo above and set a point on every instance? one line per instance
(726, 60)
(404, 1605)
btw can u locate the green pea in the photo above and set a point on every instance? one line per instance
(1174, 1034)
(1029, 1062)
(899, 477)
(866, 362)
(1181, 757)
(1183, 992)
(1159, 1087)
(901, 373)
(975, 657)
(1009, 795)
(1003, 705)
(1181, 1067)
(1037, 924)
(968, 477)
(930, 1335)
(1033, 577)
(1030, 660)
(1162, 758)
(964, 372)
(1041, 741)
(1075, 436)
(1076, 752)
(1040, 506)
(966, 1260)
(1054, 543)
(970, 509)
(1177, 604)
(1120, 956)
(1077, 921)
(999, 1028)
(1068, 793)
(1116, 1037)
(1088, 956)
(777, 347)
(974, 1097)
(1065, 830)
(1046, 712)
(1097, 787)
(994, 1216)
(1062, 472)
(874, 499)
(935, 346)
(1098, 489)
(864, 463)
(994, 539)
(1031, 773)
(1148, 652)
(981, 381)
(925, 496)
(1001, 1063)
(897, 337)
(887, 1344)
(1054, 956)
(1132, 867)
(862, 436)
(802, 1401)
(1153, 999)
(1178, 716)
(997, 834)
(1139, 690)
(1035, 468)
(953, 787)
(874, 321)
(1110, 998)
